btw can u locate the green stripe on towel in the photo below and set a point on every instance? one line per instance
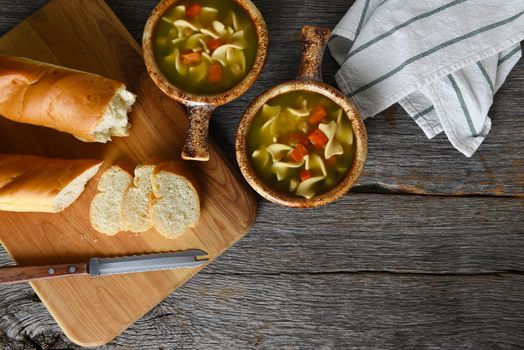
(509, 55)
(382, 3)
(362, 17)
(400, 26)
(463, 105)
(433, 50)
(423, 113)
(486, 76)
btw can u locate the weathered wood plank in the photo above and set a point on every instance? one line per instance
(304, 311)
(401, 159)
(384, 233)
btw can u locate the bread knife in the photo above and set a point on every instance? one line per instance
(105, 266)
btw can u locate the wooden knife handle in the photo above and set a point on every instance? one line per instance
(19, 274)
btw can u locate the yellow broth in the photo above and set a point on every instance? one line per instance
(205, 47)
(285, 126)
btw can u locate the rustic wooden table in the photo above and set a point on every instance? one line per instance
(426, 252)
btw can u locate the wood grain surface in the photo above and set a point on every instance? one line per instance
(85, 35)
(428, 255)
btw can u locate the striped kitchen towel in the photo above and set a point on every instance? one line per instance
(442, 60)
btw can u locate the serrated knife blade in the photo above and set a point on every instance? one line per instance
(105, 266)
(144, 263)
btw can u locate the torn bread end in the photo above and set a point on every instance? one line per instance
(114, 122)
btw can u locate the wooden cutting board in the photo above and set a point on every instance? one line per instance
(86, 35)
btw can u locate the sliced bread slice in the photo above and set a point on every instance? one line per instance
(138, 200)
(176, 206)
(106, 207)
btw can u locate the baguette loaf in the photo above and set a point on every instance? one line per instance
(38, 184)
(90, 107)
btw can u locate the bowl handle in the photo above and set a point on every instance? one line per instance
(196, 146)
(314, 42)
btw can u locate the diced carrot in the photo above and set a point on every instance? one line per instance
(193, 10)
(191, 57)
(215, 73)
(331, 161)
(305, 174)
(298, 153)
(318, 138)
(317, 115)
(214, 44)
(297, 137)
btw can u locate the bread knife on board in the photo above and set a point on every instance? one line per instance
(105, 266)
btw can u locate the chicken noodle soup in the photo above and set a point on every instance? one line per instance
(301, 143)
(205, 47)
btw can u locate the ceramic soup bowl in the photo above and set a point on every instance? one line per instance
(308, 80)
(200, 106)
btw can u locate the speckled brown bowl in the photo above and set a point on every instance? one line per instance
(309, 78)
(201, 107)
